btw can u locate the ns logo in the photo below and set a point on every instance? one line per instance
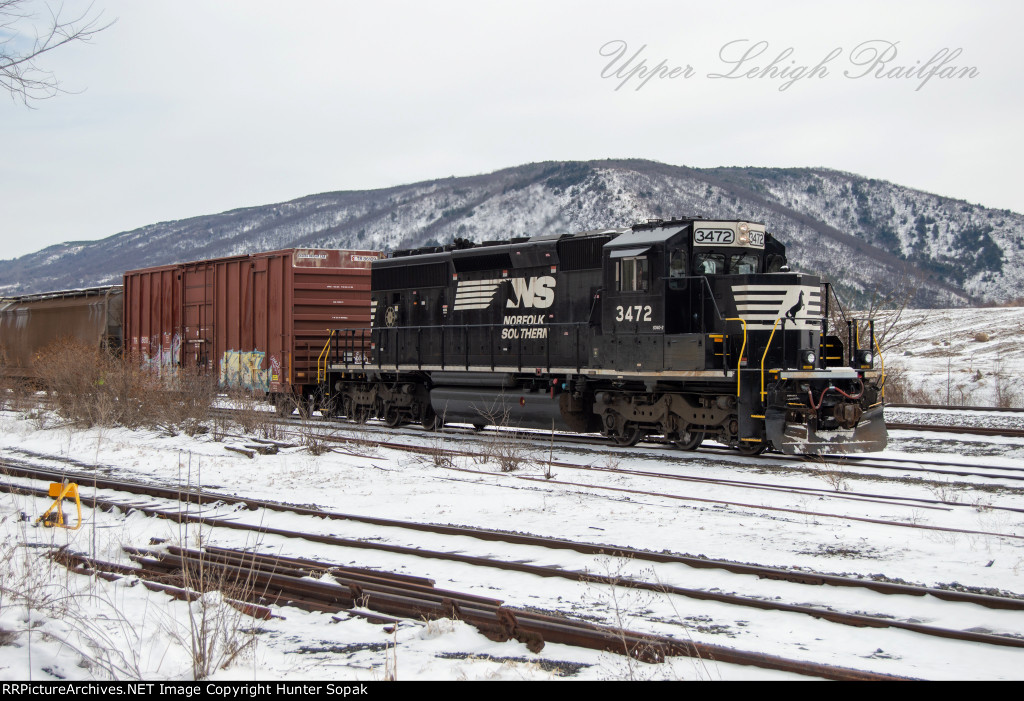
(536, 292)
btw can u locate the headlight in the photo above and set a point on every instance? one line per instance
(808, 357)
(866, 357)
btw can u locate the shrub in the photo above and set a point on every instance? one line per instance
(90, 387)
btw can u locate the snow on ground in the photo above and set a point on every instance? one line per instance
(71, 627)
(84, 629)
(961, 357)
(54, 625)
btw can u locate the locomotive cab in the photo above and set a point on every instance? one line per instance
(712, 304)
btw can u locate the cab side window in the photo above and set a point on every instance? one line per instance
(776, 263)
(677, 264)
(677, 270)
(631, 275)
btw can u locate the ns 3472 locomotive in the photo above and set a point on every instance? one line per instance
(690, 329)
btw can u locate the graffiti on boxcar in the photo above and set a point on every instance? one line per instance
(170, 351)
(162, 358)
(242, 369)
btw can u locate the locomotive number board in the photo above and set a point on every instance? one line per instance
(726, 237)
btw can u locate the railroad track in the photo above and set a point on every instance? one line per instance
(941, 408)
(436, 452)
(541, 441)
(969, 430)
(256, 583)
(913, 521)
(585, 439)
(801, 577)
(433, 453)
(208, 498)
(377, 596)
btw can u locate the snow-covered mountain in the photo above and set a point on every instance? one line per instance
(862, 234)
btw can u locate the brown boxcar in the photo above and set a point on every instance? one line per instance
(259, 321)
(29, 323)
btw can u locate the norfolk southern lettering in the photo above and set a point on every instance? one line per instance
(524, 326)
(537, 292)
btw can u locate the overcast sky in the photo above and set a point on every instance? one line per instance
(184, 108)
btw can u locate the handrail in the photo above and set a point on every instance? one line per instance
(765, 355)
(768, 345)
(321, 375)
(842, 312)
(881, 360)
(464, 331)
(704, 279)
(718, 313)
(743, 348)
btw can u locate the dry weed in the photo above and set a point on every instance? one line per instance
(89, 387)
(315, 433)
(253, 415)
(833, 475)
(503, 446)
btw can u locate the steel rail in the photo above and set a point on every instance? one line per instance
(969, 430)
(242, 558)
(492, 617)
(942, 407)
(747, 485)
(996, 602)
(236, 562)
(395, 594)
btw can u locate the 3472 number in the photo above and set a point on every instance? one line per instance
(634, 313)
(713, 236)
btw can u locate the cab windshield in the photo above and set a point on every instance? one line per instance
(724, 264)
(745, 264)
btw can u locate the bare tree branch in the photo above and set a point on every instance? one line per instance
(885, 308)
(20, 73)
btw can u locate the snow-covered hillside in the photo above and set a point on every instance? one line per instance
(862, 234)
(958, 357)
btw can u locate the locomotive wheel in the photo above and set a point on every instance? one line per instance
(393, 419)
(689, 440)
(746, 448)
(430, 420)
(628, 437)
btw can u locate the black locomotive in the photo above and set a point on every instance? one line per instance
(688, 329)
